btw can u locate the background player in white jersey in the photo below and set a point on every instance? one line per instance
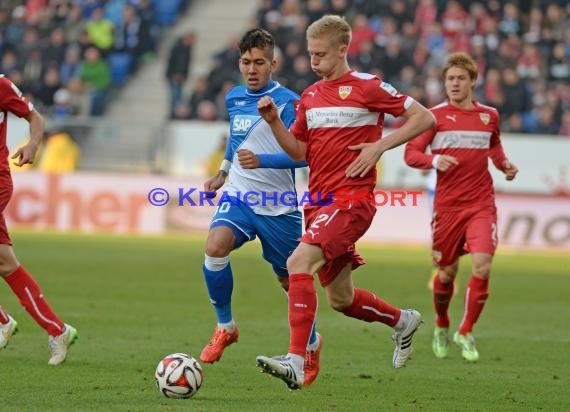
(465, 136)
(255, 163)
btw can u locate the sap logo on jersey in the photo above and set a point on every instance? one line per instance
(242, 124)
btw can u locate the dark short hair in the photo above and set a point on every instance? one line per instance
(257, 38)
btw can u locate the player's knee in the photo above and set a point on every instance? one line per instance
(295, 263)
(7, 267)
(446, 275)
(482, 269)
(217, 250)
(339, 302)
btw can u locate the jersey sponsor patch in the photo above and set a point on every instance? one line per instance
(340, 117)
(388, 88)
(461, 139)
(242, 123)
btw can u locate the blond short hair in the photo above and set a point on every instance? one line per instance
(334, 27)
(463, 61)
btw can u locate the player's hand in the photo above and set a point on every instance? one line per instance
(510, 170)
(446, 162)
(25, 154)
(214, 183)
(248, 159)
(369, 155)
(267, 109)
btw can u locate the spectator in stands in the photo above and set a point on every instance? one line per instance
(559, 64)
(54, 52)
(565, 126)
(100, 30)
(207, 111)
(178, 67)
(146, 12)
(130, 33)
(96, 77)
(73, 25)
(50, 84)
(199, 93)
(69, 67)
(14, 33)
(63, 106)
(9, 62)
(517, 97)
(547, 123)
(32, 69)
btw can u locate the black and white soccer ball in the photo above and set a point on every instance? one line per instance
(179, 376)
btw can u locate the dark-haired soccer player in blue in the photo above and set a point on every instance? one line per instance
(256, 163)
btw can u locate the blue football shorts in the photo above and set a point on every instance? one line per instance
(279, 235)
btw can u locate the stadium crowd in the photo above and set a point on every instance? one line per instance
(68, 56)
(522, 50)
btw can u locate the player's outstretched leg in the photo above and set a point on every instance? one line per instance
(313, 361)
(411, 320)
(58, 345)
(7, 330)
(284, 368)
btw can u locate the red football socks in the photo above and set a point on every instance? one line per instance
(3, 317)
(442, 293)
(32, 299)
(302, 311)
(368, 307)
(475, 297)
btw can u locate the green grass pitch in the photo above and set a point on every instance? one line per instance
(137, 299)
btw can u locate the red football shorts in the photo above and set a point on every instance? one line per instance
(335, 229)
(470, 230)
(5, 195)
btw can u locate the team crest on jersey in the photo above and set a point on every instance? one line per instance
(344, 91)
(485, 117)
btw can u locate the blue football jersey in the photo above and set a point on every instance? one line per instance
(249, 131)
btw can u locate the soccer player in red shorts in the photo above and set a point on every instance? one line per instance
(60, 335)
(337, 117)
(465, 217)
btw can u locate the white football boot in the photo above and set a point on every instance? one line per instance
(58, 345)
(403, 337)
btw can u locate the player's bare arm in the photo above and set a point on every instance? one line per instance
(446, 162)
(510, 170)
(293, 147)
(419, 119)
(27, 153)
(248, 159)
(216, 182)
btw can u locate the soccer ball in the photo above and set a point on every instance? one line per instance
(178, 376)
